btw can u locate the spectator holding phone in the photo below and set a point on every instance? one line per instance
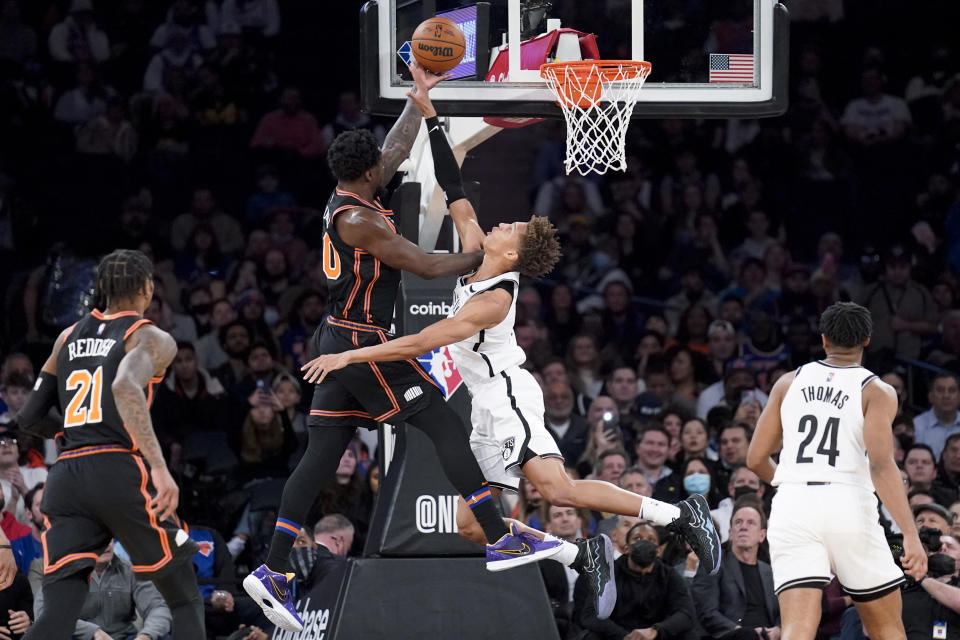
(604, 434)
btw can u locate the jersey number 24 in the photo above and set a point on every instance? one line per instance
(828, 443)
(85, 405)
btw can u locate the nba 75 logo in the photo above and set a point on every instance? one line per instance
(439, 365)
(830, 376)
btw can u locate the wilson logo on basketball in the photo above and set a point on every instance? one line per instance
(435, 50)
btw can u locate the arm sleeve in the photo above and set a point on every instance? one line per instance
(585, 614)
(682, 613)
(33, 414)
(444, 163)
(150, 605)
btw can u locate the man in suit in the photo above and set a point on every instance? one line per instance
(566, 427)
(738, 603)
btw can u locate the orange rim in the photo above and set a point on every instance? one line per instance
(591, 74)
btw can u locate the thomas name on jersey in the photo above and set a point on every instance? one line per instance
(828, 395)
(90, 347)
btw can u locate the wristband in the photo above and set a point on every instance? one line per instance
(432, 123)
(6, 546)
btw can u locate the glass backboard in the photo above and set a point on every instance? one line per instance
(710, 59)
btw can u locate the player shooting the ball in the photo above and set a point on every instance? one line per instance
(509, 438)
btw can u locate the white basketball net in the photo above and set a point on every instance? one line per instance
(597, 101)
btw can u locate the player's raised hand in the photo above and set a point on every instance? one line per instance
(914, 558)
(164, 504)
(318, 368)
(423, 81)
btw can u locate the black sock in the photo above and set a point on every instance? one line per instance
(317, 466)
(63, 599)
(445, 428)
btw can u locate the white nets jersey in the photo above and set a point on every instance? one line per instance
(485, 354)
(822, 417)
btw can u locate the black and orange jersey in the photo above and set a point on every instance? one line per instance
(362, 289)
(86, 368)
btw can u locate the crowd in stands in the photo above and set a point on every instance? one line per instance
(688, 285)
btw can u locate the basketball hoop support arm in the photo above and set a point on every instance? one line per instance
(463, 133)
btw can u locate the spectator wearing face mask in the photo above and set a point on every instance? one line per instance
(315, 555)
(652, 600)
(694, 477)
(743, 481)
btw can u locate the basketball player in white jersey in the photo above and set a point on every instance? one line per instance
(509, 438)
(831, 420)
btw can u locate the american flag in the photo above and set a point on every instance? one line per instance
(730, 67)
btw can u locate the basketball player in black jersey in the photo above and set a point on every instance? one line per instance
(363, 256)
(110, 480)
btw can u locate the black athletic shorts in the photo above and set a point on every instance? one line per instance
(365, 394)
(94, 494)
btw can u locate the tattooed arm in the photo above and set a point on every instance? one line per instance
(399, 141)
(149, 351)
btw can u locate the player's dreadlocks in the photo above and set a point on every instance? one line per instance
(539, 249)
(123, 274)
(846, 324)
(352, 153)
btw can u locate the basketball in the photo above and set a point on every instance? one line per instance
(438, 44)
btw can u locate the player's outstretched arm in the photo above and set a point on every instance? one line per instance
(151, 351)
(482, 312)
(447, 171)
(880, 408)
(366, 230)
(768, 436)
(400, 138)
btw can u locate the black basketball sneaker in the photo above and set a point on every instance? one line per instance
(696, 527)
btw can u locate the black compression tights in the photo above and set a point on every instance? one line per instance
(63, 599)
(325, 447)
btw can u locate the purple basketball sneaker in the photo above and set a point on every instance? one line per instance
(517, 548)
(271, 590)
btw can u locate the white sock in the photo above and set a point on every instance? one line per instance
(658, 512)
(568, 551)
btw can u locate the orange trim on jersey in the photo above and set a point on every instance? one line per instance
(386, 387)
(87, 451)
(164, 543)
(366, 297)
(136, 325)
(353, 337)
(338, 414)
(67, 559)
(356, 283)
(366, 202)
(96, 313)
(389, 222)
(386, 415)
(356, 326)
(423, 374)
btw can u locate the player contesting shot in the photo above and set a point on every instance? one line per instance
(832, 420)
(509, 438)
(110, 479)
(363, 256)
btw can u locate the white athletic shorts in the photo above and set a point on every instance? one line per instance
(508, 429)
(816, 530)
